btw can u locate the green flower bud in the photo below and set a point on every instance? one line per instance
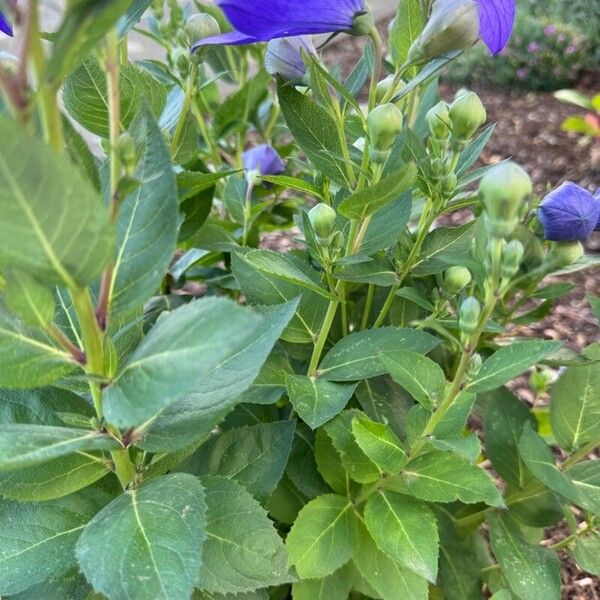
(362, 25)
(384, 88)
(385, 123)
(474, 366)
(512, 255)
(128, 152)
(453, 25)
(438, 169)
(456, 279)
(467, 115)
(322, 218)
(449, 185)
(181, 60)
(564, 254)
(469, 314)
(201, 26)
(503, 192)
(438, 120)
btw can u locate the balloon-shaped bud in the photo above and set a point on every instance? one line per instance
(385, 124)
(456, 279)
(362, 24)
(453, 25)
(512, 255)
(449, 185)
(201, 26)
(388, 88)
(322, 218)
(564, 254)
(438, 121)
(469, 314)
(503, 191)
(284, 57)
(467, 115)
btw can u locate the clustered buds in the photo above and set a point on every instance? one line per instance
(385, 124)
(322, 218)
(467, 115)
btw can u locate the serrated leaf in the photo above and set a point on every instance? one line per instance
(152, 534)
(380, 444)
(408, 24)
(329, 463)
(242, 552)
(322, 538)
(27, 298)
(406, 530)
(332, 587)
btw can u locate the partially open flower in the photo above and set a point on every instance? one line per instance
(260, 161)
(201, 26)
(569, 213)
(284, 57)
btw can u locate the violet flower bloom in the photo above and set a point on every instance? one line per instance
(265, 20)
(597, 198)
(569, 213)
(496, 22)
(5, 26)
(284, 57)
(262, 160)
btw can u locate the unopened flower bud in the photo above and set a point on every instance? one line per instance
(449, 185)
(322, 218)
(385, 124)
(363, 24)
(128, 152)
(474, 366)
(438, 121)
(201, 26)
(467, 115)
(512, 255)
(284, 57)
(438, 169)
(456, 279)
(181, 60)
(453, 25)
(469, 314)
(564, 254)
(384, 88)
(503, 191)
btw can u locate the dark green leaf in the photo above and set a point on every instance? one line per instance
(380, 444)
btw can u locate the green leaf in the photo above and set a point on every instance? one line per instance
(27, 298)
(294, 183)
(388, 578)
(406, 530)
(533, 572)
(539, 459)
(379, 442)
(421, 377)
(586, 477)
(59, 234)
(152, 534)
(329, 463)
(132, 16)
(254, 456)
(171, 361)
(242, 552)
(587, 553)
(332, 587)
(86, 99)
(445, 477)
(314, 131)
(575, 407)
(358, 465)
(72, 586)
(357, 356)
(509, 362)
(302, 466)
(367, 202)
(322, 538)
(281, 267)
(190, 419)
(147, 224)
(257, 595)
(37, 539)
(408, 24)
(316, 400)
(26, 445)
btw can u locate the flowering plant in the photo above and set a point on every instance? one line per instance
(588, 124)
(185, 413)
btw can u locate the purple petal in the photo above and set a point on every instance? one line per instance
(5, 26)
(284, 57)
(269, 19)
(597, 197)
(233, 38)
(263, 159)
(496, 22)
(569, 213)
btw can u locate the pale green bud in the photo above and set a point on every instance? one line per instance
(449, 185)
(200, 27)
(363, 24)
(456, 279)
(503, 191)
(322, 218)
(181, 59)
(469, 314)
(467, 115)
(512, 255)
(386, 88)
(385, 124)
(474, 366)
(564, 254)
(438, 120)
(453, 25)
(128, 152)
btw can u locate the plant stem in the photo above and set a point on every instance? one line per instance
(378, 59)
(368, 304)
(339, 123)
(247, 212)
(322, 337)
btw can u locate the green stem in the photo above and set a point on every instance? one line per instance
(378, 58)
(188, 98)
(339, 123)
(322, 337)
(214, 150)
(247, 212)
(368, 305)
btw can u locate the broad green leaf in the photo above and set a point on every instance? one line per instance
(322, 538)
(509, 362)
(25, 445)
(367, 202)
(314, 131)
(587, 553)
(533, 572)
(420, 376)
(358, 465)
(378, 270)
(575, 407)
(472, 152)
(539, 459)
(60, 234)
(332, 587)
(317, 400)
(254, 456)
(70, 586)
(37, 539)
(243, 551)
(386, 225)
(190, 419)
(147, 223)
(405, 529)
(147, 543)
(191, 183)
(293, 183)
(285, 502)
(27, 298)
(22, 346)
(132, 16)
(260, 289)
(171, 361)
(379, 442)
(503, 419)
(408, 24)
(586, 477)
(467, 446)
(445, 477)
(329, 463)
(257, 595)
(357, 356)
(86, 98)
(387, 577)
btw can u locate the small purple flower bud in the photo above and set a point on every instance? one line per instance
(569, 213)
(262, 160)
(284, 57)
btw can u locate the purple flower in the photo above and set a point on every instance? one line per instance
(569, 213)
(264, 20)
(496, 22)
(522, 73)
(5, 26)
(284, 57)
(549, 30)
(264, 160)
(533, 47)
